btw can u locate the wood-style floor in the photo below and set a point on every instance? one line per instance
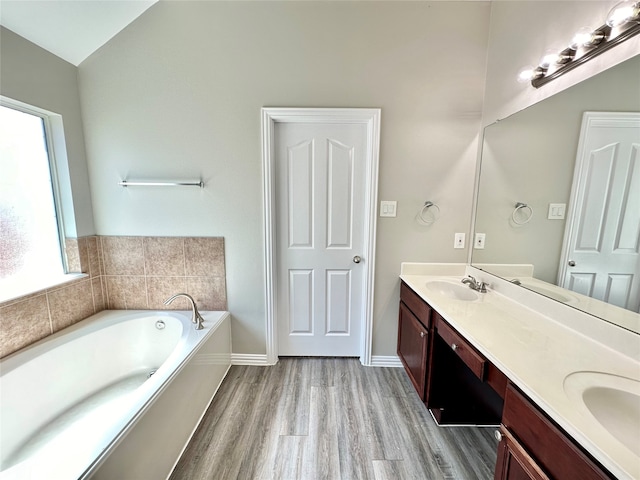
(329, 419)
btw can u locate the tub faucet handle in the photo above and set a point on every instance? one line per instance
(195, 314)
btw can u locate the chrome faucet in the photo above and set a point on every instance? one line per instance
(475, 285)
(195, 316)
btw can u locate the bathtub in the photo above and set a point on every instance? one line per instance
(106, 396)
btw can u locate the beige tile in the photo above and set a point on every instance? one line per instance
(123, 255)
(161, 288)
(204, 256)
(99, 298)
(23, 323)
(72, 247)
(209, 292)
(126, 293)
(164, 256)
(94, 262)
(71, 304)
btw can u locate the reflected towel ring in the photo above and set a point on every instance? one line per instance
(522, 206)
(425, 210)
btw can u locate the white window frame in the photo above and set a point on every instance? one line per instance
(60, 182)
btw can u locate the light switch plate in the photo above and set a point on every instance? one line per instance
(556, 211)
(458, 241)
(478, 243)
(388, 208)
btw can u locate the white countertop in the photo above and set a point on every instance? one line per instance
(537, 352)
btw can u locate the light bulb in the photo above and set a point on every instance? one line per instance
(623, 12)
(528, 73)
(586, 37)
(549, 58)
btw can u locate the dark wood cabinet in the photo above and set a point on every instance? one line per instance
(552, 450)
(460, 386)
(413, 338)
(514, 463)
(458, 392)
(413, 343)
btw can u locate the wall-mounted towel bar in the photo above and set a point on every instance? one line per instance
(145, 183)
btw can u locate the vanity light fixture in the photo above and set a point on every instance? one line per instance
(623, 22)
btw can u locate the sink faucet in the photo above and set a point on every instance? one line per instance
(475, 285)
(195, 314)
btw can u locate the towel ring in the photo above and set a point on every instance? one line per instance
(522, 206)
(425, 209)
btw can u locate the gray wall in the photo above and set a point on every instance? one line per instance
(34, 76)
(178, 94)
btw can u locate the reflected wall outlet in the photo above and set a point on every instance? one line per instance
(478, 243)
(458, 241)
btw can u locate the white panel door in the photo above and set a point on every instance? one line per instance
(319, 173)
(603, 259)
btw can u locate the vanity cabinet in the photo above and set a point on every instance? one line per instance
(534, 447)
(414, 337)
(461, 386)
(458, 391)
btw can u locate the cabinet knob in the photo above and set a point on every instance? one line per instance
(454, 346)
(572, 263)
(422, 334)
(497, 435)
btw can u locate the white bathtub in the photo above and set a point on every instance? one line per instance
(71, 401)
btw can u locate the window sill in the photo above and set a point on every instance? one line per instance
(17, 291)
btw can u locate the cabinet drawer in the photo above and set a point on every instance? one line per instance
(469, 355)
(417, 305)
(553, 449)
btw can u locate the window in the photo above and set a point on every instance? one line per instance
(31, 256)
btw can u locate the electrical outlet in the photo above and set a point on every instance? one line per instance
(458, 241)
(478, 243)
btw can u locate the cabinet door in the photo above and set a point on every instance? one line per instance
(412, 348)
(514, 463)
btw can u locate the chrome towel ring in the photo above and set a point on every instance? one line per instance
(424, 217)
(527, 213)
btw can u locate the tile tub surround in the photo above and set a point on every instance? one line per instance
(120, 273)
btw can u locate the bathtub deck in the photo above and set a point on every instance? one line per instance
(333, 419)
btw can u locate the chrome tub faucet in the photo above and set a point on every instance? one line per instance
(195, 314)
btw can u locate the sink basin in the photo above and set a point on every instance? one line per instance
(612, 400)
(452, 290)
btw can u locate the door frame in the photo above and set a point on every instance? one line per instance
(370, 117)
(589, 119)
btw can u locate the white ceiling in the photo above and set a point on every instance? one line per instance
(70, 29)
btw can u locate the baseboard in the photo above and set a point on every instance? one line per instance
(385, 361)
(261, 360)
(248, 359)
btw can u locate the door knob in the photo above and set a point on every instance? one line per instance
(572, 263)
(357, 259)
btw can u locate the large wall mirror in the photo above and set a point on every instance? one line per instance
(549, 217)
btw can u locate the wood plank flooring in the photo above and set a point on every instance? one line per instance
(307, 419)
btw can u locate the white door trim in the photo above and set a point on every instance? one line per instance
(370, 117)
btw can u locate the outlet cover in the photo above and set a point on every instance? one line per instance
(478, 243)
(458, 241)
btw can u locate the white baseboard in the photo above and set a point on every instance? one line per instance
(385, 361)
(248, 359)
(261, 360)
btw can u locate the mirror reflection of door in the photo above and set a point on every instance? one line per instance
(601, 258)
